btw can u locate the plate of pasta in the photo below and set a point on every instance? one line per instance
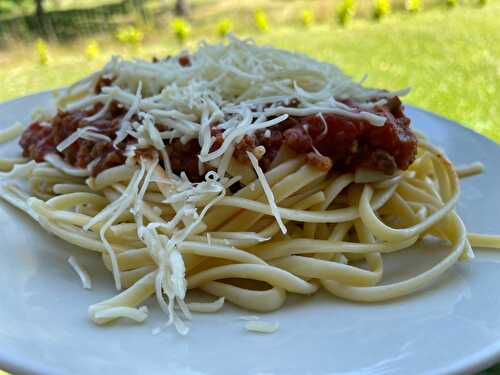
(244, 209)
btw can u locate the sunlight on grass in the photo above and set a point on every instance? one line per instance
(181, 29)
(224, 27)
(261, 20)
(452, 71)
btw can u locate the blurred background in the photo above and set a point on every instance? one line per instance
(448, 51)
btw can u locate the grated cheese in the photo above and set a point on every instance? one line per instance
(267, 191)
(81, 272)
(237, 86)
(261, 326)
(249, 317)
(121, 134)
(88, 132)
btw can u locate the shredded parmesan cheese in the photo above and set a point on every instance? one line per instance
(261, 326)
(88, 132)
(248, 317)
(81, 272)
(238, 87)
(267, 191)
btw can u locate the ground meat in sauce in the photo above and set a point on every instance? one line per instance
(247, 144)
(102, 82)
(184, 60)
(40, 139)
(354, 143)
(271, 140)
(344, 144)
(184, 158)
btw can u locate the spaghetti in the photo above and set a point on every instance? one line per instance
(244, 171)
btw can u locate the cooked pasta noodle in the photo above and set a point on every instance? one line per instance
(246, 232)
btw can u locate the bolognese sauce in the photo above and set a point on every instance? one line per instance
(329, 141)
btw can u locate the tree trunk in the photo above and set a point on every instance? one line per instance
(39, 10)
(182, 8)
(40, 17)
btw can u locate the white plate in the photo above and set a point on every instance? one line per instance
(451, 327)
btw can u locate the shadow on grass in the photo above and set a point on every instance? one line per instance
(68, 24)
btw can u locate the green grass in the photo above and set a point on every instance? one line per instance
(450, 58)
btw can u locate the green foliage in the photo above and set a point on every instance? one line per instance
(181, 29)
(413, 6)
(451, 3)
(92, 50)
(483, 2)
(381, 8)
(42, 51)
(13, 6)
(345, 11)
(261, 20)
(7, 7)
(129, 35)
(307, 17)
(224, 27)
